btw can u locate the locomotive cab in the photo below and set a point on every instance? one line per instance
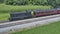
(32, 13)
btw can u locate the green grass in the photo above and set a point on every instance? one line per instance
(6, 9)
(9, 8)
(4, 16)
(53, 28)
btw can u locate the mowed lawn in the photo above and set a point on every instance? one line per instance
(53, 28)
(6, 9)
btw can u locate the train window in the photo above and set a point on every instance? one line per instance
(42, 12)
(38, 12)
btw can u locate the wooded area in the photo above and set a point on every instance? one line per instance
(32, 2)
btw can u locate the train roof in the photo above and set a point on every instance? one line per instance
(58, 8)
(17, 12)
(44, 10)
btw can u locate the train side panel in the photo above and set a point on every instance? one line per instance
(44, 13)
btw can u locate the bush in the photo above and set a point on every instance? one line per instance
(1, 1)
(25, 2)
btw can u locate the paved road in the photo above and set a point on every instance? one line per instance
(9, 24)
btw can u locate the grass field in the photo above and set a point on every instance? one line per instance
(9, 8)
(4, 16)
(53, 28)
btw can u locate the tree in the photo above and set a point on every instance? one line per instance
(53, 3)
(1, 1)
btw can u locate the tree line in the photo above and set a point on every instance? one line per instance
(26, 2)
(1, 1)
(32, 2)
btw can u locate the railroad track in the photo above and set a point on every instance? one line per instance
(3, 21)
(13, 23)
(20, 25)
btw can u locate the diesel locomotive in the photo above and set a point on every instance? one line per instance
(32, 14)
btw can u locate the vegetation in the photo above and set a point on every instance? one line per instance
(4, 16)
(53, 3)
(9, 8)
(1, 1)
(53, 28)
(26, 2)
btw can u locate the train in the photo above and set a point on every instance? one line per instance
(14, 16)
